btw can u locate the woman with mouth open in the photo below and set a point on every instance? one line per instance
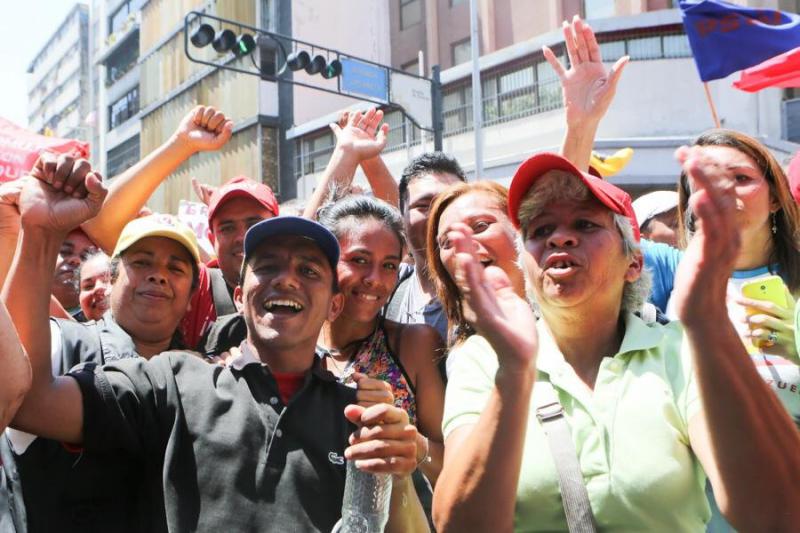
(361, 344)
(649, 409)
(483, 207)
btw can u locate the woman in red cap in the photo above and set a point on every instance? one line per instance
(649, 409)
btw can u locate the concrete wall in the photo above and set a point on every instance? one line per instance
(358, 27)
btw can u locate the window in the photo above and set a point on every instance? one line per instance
(412, 67)
(119, 17)
(122, 60)
(410, 13)
(313, 153)
(123, 109)
(461, 52)
(597, 9)
(122, 157)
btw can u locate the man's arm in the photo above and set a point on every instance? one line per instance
(588, 89)
(202, 129)
(53, 407)
(743, 437)
(354, 144)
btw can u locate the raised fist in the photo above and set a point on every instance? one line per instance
(204, 128)
(60, 194)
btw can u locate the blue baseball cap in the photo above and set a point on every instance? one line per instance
(289, 225)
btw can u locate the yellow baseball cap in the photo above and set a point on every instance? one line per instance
(157, 225)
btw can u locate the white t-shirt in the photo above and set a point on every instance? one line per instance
(782, 375)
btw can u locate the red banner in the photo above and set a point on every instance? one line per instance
(19, 149)
(781, 71)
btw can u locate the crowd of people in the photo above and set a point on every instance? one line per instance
(549, 356)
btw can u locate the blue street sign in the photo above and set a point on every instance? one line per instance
(364, 79)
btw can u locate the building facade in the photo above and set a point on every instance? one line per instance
(660, 102)
(59, 97)
(115, 81)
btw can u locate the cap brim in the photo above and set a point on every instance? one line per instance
(175, 236)
(236, 193)
(536, 166)
(297, 226)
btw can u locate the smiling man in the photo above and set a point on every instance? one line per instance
(258, 445)
(232, 209)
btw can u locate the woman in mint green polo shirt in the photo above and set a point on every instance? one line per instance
(651, 409)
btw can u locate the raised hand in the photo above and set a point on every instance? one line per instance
(385, 442)
(362, 135)
(203, 191)
(75, 196)
(9, 212)
(204, 128)
(588, 86)
(492, 307)
(702, 277)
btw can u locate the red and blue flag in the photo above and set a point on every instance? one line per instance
(726, 38)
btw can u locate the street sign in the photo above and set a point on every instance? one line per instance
(413, 94)
(364, 79)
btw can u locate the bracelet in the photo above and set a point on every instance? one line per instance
(427, 457)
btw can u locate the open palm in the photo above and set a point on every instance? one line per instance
(362, 135)
(588, 85)
(498, 313)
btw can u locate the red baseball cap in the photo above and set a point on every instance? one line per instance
(242, 186)
(793, 173)
(617, 200)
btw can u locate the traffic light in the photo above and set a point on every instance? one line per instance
(223, 41)
(244, 45)
(302, 60)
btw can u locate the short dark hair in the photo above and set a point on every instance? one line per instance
(427, 163)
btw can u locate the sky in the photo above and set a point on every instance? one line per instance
(24, 30)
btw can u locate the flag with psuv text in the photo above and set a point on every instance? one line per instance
(726, 38)
(19, 149)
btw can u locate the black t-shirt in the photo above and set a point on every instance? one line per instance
(220, 450)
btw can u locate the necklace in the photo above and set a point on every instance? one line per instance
(353, 348)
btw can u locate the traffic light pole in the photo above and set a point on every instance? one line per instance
(436, 107)
(278, 76)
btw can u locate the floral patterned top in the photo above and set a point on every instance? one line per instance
(375, 359)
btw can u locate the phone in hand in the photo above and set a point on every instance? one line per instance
(769, 289)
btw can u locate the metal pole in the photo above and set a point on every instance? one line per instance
(436, 107)
(477, 97)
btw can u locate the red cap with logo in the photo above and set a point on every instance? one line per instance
(617, 200)
(242, 186)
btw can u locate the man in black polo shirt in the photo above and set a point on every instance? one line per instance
(258, 445)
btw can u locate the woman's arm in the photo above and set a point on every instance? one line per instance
(202, 129)
(477, 489)
(354, 144)
(421, 346)
(743, 437)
